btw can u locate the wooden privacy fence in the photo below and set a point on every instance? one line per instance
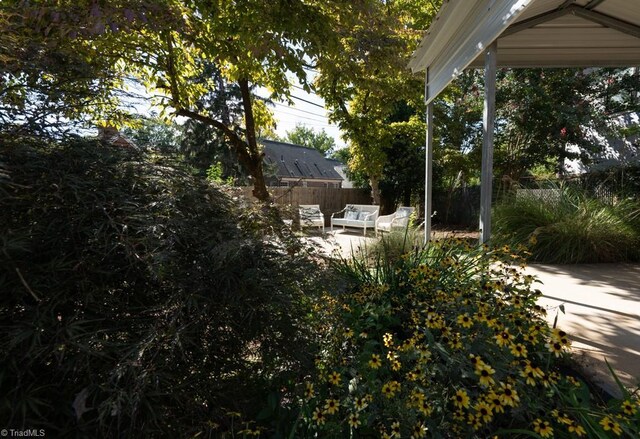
(330, 199)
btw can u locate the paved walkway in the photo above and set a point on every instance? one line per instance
(602, 316)
(601, 304)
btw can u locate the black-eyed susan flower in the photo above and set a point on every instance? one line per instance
(577, 429)
(555, 347)
(354, 420)
(483, 411)
(543, 428)
(519, 350)
(361, 403)
(334, 378)
(628, 408)
(331, 406)
(425, 408)
(461, 399)
(389, 389)
(375, 362)
(319, 416)
(503, 338)
(531, 373)
(308, 391)
(508, 395)
(465, 321)
(494, 401)
(395, 429)
(485, 374)
(418, 431)
(608, 424)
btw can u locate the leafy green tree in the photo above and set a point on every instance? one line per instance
(168, 43)
(310, 138)
(155, 134)
(363, 80)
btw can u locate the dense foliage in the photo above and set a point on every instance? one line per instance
(136, 300)
(448, 342)
(564, 225)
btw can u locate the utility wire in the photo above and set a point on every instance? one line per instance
(302, 117)
(308, 102)
(298, 109)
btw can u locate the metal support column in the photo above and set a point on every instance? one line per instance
(428, 165)
(488, 119)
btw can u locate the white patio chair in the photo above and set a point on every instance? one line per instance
(399, 219)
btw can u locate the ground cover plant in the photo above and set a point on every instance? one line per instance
(136, 300)
(568, 226)
(448, 342)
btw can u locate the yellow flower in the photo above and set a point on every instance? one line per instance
(334, 378)
(389, 389)
(418, 431)
(461, 399)
(543, 428)
(395, 429)
(309, 392)
(531, 373)
(485, 375)
(476, 361)
(503, 338)
(465, 321)
(425, 408)
(608, 424)
(483, 411)
(319, 416)
(375, 361)
(628, 408)
(331, 406)
(494, 401)
(509, 395)
(555, 347)
(387, 339)
(577, 429)
(354, 420)
(361, 403)
(519, 350)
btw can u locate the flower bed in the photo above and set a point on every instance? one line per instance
(448, 341)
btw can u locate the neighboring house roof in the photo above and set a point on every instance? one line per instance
(295, 161)
(112, 136)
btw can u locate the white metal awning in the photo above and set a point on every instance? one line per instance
(529, 33)
(518, 33)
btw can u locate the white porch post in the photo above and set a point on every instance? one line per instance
(428, 165)
(488, 119)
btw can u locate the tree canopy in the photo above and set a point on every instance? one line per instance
(310, 138)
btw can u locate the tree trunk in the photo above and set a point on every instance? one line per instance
(255, 156)
(375, 190)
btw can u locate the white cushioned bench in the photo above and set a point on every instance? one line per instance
(399, 219)
(356, 215)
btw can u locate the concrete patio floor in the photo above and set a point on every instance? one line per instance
(601, 304)
(602, 316)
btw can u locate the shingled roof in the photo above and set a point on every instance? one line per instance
(295, 161)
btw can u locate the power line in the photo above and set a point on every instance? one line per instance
(302, 117)
(298, 109)
(308, 102)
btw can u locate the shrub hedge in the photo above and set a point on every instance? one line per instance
(138, 301)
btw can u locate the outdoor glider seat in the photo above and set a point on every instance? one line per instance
(399, 219)
(310, 215)
(356, 215)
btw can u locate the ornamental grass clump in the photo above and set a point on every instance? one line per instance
(448, 342)
(567, 226)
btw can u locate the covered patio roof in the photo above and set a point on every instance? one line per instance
(521, 33)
